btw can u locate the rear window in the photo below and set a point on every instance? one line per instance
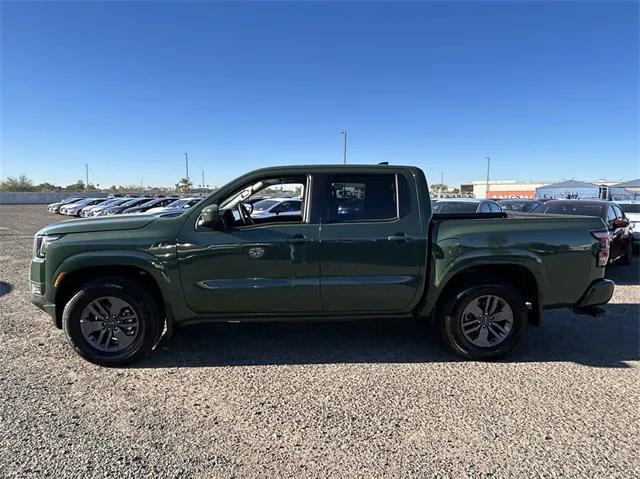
(630, 208)
(569, 209)
(447, 207)
(515, 205)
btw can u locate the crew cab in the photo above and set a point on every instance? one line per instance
(114, 284)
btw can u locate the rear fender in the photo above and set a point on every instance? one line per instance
(448, 269)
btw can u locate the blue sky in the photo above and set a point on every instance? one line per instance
(549, 90)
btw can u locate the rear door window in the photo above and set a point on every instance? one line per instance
(362, 198)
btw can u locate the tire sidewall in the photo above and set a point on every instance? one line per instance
(452, 321)
(128, 291)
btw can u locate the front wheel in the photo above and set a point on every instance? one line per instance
(112, 322)
(484, 321)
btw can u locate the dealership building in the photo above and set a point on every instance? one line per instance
(527, 189)
(503, 188)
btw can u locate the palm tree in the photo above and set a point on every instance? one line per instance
(184, 185)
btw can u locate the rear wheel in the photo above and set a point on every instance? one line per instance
(112, 322)
(485, 320)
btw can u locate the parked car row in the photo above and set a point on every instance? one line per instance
(92, 207)
(55, 207)
(622, 218)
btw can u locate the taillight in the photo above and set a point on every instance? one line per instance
(602, 256)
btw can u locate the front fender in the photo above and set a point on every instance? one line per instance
(139, 259)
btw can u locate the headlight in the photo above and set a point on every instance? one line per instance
(41, 243)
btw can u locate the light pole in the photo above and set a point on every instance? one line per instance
(186, 164)
(86, 172)
(344, 150)
(488, 158)
(203, 179)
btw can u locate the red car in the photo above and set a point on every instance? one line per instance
(619, 236)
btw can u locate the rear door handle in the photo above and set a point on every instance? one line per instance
(299, 238)
(398, 238)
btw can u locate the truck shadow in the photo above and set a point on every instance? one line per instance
(607, 341)
(625, 274)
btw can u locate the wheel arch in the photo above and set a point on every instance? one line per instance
(73, 280)
(519, 276)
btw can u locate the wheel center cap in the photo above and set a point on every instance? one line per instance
(110, 323)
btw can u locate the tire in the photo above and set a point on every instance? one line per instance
(107, 350)
(458, 309)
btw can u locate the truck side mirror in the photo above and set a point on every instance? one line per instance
(209, 216)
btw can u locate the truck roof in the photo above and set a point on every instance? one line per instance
(332, 168)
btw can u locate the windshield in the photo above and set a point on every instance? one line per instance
(150, 203)
(630, 207)
(119, 201)
(455, 207)
(264, 205)
(569, 208)
(135, 202)
(177, 203)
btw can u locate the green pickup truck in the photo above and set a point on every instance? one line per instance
(364, 244)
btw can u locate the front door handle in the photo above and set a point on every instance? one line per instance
(299, 238)
(398, 238)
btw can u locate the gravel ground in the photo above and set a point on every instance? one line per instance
(328, 400)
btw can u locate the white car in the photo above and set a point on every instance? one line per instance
(631, 210)
(272, 207)
(87, 211)
(74, 209)
(55, 207)
(96, 210)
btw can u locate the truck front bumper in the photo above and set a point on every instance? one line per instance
(40, 295)
(41, 302)
(598, 293)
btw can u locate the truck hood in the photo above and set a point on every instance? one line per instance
(90, 225)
